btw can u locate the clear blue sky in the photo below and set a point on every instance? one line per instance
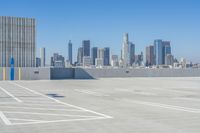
(105, 21)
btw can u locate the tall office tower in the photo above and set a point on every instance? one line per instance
(125, 51)
(70, 51)
(57, 60)
(94, 54)
(166, 49)
(86, 47)
(149, 55)
(114, 61)
(158, 52)
(132, 53)
(17, 40)
(99, 61)
(169, 59)
(106, 56)
(38, 62)
(100, 53)
(42, 56)
(80, 56)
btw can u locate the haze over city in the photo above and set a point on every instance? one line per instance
(104, 23)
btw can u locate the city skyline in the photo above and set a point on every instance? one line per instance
(103, 23)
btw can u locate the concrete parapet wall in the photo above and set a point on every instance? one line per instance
(81, 73)
(92, 73)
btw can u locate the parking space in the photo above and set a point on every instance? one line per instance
(110, 105)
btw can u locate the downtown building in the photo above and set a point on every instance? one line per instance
(17, 40)
(161, 50)
(125, 51)
(149, 55)
(70, 52)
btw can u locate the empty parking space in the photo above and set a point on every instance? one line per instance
(113, 105)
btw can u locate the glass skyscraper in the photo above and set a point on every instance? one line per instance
(94, 54)
(158, 52)
(70, 51)
(86, 47)
(106, 56)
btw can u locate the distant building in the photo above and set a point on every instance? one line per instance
(149, 55)
(125, 51)
(106, 56)
(139, 59)
(57, 60)
(114, 61)
(169, 59)
(158, 52)
(38, 62)
(166, 49)
(70, 52)
(80, 56)
(132, 53)
(42, 57)
(17, 40)
(99, 62)
(94, 54)
(100, 53)
(86, 47)
(87, 61)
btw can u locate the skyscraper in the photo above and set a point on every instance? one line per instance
(57, 60)
(42, 57)
(158, 52)
(132, 53)
(94, 54)
(149, 55)
(70, 51)
(86, 47)
(17, 40)
(80, 56)
(166, 49)
(106, 56)
(99, 61)
(125, 51)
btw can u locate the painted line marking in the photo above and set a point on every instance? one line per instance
(12, 107)
(90, 92)
(63, 103)
(4, 118)
(43, 122)
(48, 114)
(172, 107)
(11, 95)
(31, 120)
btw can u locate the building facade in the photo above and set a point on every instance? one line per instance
(42, 56)
(70, 52)
(132, 53)
(125, 51)
(106, 56)
(86, 47)
(149, 55)
(17, 40)
(80, 56)
(94, 54)
(158, 52)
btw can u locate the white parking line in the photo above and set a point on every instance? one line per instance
(90, 92)
(178, 108)
(60, 102)
(4, 118)
(48, 114)
(31, 108)
(11, 95)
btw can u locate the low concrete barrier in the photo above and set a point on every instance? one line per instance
(92, 73)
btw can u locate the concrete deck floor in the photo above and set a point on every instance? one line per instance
(109, 105)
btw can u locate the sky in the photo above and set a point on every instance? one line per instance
(105, 21)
